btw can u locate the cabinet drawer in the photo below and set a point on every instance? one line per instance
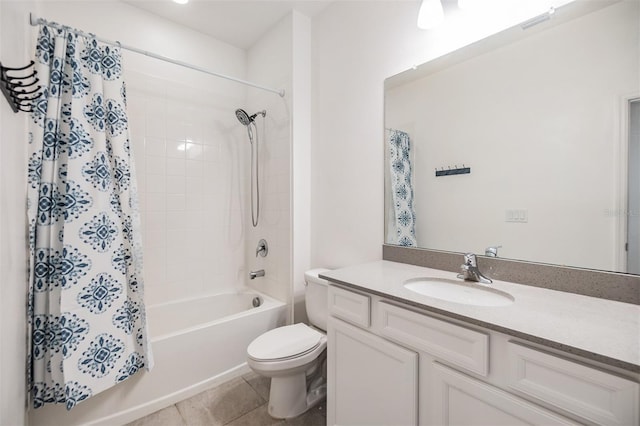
(458, 399)
(349, 306)
(451, 343)
(585, 391)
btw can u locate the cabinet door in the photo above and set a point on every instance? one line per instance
(587, 392)
(370, 381)
(457, 399)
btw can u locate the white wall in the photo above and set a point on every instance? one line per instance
(538, 122)
(301, 160)
(356, 45)
(13, 227)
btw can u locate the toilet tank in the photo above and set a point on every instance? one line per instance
(316, 298)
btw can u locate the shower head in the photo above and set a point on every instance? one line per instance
(243, 117)
(247, 119)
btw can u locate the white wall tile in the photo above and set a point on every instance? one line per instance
(156, 165)
(155, 146)
(175, 220)
(194, 214)
(176, 202)
(194, 168)
(270, 60)
(194, 219)
(156, 237)
(211, 152)
(193, 130)
(155, 201)
(155, 183)
(176, 166)
(174, 127)
(154, 123)
(155, 220)
(194, 202)
(194, 151)
(142, 201)
(194, 185)
(176, 148)
(176, 185)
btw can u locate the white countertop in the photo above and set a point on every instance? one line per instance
(591, 325)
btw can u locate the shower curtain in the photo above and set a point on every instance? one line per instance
(403, 216)
(87, 326)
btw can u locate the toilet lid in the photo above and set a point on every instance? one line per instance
(284, 342)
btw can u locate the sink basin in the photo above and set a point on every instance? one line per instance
(462, 292)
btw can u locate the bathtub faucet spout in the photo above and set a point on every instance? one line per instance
(255, 274)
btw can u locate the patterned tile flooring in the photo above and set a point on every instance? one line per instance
(238, 402)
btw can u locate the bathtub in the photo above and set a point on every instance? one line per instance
(196, 343)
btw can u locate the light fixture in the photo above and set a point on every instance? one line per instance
(181, 1)
(430, 15)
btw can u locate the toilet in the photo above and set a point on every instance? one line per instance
(293, 356)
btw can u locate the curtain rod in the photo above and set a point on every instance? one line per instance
(35, 21)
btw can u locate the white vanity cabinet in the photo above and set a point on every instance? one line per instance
(358, 394)
(386, 394)
(394, 364)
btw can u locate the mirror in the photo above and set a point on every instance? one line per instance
(523, 144)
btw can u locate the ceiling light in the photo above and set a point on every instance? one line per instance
(181, 1)
(430, 15)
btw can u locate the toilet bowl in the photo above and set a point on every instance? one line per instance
(293, 356)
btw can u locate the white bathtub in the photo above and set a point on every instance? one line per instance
(196, 344)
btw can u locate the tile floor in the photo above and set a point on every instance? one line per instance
(238, 402)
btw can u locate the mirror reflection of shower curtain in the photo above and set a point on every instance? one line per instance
(403, 215)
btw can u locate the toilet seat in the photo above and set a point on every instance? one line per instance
(285, 343)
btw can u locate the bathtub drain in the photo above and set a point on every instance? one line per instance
(256, 302)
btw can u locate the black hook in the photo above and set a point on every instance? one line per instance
(4, 69)
(17, 89)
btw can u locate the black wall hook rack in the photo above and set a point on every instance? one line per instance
(455, 171)
(20, 90)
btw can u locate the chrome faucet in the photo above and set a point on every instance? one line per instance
(255, 274)
(492, 251)
(470, 271)
(262, 249)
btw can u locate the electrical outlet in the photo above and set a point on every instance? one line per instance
(517, 215)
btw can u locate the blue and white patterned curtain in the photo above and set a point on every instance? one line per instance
(86, 312)
(401, 188)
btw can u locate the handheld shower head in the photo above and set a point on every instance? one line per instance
(247, 119)
(243, 117)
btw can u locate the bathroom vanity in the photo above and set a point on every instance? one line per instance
(399, 357)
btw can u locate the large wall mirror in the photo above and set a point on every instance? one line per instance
(527, 141)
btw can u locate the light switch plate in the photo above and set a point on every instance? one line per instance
(517, 215)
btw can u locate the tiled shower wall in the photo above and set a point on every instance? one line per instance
(189, 155)
(269, 62)
(275, 212)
